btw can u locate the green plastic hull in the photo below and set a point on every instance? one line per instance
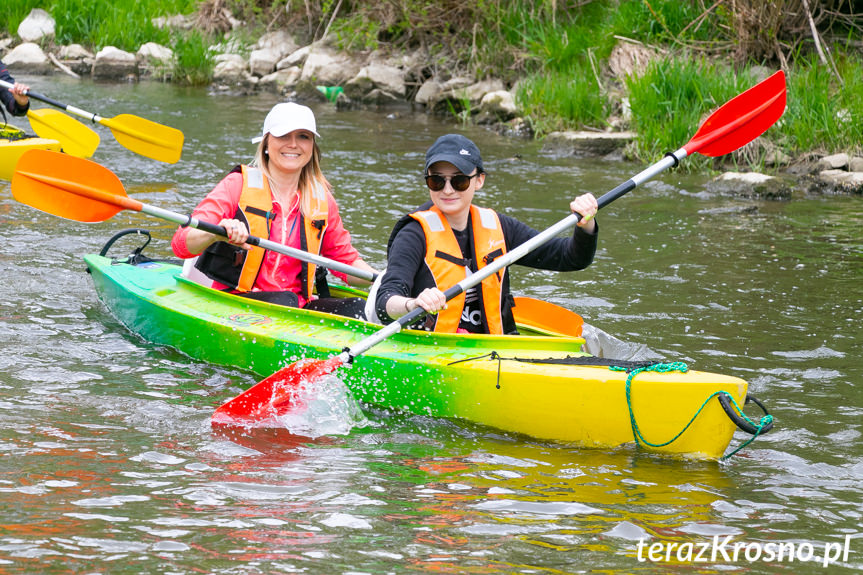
(424, 373)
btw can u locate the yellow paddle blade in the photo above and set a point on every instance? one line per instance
(546, 316)
(75, 138)
(146, 138)
(69, 187)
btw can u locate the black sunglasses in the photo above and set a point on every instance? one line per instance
(458, 182)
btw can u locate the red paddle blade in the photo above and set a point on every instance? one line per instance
(742, 119)
(274, 395)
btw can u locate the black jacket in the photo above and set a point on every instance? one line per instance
(407, 275)
(6, 96)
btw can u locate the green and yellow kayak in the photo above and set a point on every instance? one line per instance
(13, 143)
(540, 386)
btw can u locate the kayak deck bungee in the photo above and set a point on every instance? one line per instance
(14, 142)
(484, 379)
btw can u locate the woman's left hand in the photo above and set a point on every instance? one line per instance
(586, 206)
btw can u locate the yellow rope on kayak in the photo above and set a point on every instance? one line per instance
(683, 368)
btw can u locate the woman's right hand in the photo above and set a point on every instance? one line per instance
(238, 235)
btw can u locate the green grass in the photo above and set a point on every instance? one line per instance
(554, 53)
(14, 11)
(823, 115)
(559, 100)
(671, 100)
(125, 24)
(193, 59)
(667, 21)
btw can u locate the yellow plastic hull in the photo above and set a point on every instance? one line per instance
(430, 374)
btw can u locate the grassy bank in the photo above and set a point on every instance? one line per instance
(555, 53)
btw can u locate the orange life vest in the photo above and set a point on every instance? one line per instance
(312, 236)
(255, 208)
(256, 205)
(448, 266)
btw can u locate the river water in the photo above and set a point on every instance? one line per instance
(108, 463)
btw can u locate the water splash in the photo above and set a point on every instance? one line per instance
(325, 406)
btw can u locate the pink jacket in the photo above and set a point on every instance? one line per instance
(278, 272)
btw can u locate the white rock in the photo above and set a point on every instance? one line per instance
(836, 161)
(428, 92)
(744, 177)
(326, 67)
(27, 57)
(295, 58)
(155, 52)
(387, 79)
(263, 61)
(37, 25)
(113, 63)
(229, 68)
(279, 80)
(74, 52)
(499, 103)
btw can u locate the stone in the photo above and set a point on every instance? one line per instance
(27, 58)
(835, 161)
(582, 143)
(500, 104)
(111, 63)
(37, 25)
(387, 83)
(152, 52)
(281, 80)
(842, 181)
(263, 61)
(74, 52)
(475, 92)
(229, 68)
(280, 41)
(295, 58)
(749, 185)
(429, 92)
(325, 67)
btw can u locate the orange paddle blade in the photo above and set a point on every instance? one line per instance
(546, 316)
(274, 395)
(741, 119)
(69, 187)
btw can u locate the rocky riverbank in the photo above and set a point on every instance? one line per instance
(381, 80)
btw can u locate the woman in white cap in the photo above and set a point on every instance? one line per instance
(285, 198)
(434, 247)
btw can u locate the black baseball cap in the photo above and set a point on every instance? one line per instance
(458, 151)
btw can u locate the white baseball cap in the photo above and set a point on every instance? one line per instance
(287, 117)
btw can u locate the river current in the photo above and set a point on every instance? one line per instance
(108, 463)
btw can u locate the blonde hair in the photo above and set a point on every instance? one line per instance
(311, 176)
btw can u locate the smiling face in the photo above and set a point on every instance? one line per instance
(291, 152)
(454, 205)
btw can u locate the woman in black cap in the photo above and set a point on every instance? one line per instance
(435, 246)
